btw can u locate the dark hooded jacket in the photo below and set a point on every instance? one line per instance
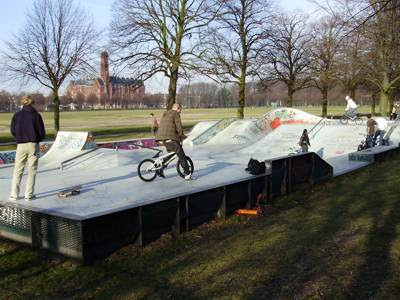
(27, 126)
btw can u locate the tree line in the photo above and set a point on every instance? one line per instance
(249, 48)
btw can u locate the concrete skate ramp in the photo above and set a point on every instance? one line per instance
(212, 131)
(239, 132)
(285, 115)
(109, 158)
(247, 132)
(393, 133)
(197, 130)
(67, 145)
(331, 140)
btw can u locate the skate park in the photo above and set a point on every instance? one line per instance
(115, 207)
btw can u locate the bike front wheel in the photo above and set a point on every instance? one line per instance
(344, 120)
(358, 121)
(180, 169)
(146, 170)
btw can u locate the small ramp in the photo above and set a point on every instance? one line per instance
(67, 145)
(198, 130)
(212, 131)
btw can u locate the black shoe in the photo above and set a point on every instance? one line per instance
(161, 173)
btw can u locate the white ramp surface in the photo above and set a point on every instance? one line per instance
(67, 145)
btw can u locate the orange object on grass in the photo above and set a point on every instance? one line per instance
(247, 212)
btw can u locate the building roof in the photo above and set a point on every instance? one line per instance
(125, 81)
(113, 80)
(87, 81)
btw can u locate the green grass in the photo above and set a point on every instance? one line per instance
(337, 240)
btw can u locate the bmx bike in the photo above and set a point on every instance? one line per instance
(369, 142)
(295, 151)
(366, 143)
(149, 168)
(346, 118)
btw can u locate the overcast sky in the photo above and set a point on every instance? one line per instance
(12, 18)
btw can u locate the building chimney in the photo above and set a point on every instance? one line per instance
(104, 73)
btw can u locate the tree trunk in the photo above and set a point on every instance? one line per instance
(383, 103)
(173, 80)
(384, 95)
(242, 93)
(290, 97)
(353, 93)
(324, 103)
(373, 104)
(56, 102)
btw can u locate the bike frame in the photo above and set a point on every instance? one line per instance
(295, 150)
(160, 163)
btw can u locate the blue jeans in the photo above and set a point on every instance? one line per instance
(352, 112)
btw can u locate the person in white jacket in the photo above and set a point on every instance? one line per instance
(382, 126)
(351, 108)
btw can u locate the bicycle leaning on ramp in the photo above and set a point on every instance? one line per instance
(149, 168)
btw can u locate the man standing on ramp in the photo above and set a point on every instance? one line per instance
(170, 132)
(28, 130)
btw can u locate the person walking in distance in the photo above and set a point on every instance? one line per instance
(154, 124)
(170, 133)
(28, 130)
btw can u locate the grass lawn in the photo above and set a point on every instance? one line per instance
(337, 240)
(100, 120)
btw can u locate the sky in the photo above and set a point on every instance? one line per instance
(12, 18)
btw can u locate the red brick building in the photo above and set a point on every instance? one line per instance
(107, 87)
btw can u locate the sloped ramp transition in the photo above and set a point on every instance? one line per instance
(67, 145)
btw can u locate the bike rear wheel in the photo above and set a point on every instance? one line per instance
(146, 170)
(179, 167)
(344, 120)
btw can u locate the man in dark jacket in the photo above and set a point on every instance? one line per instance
(171, 134)
(28, 130)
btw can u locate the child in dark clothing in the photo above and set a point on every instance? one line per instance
(304, 141)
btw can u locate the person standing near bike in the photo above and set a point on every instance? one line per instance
(351, 108)
(382, 126)
(371, 123)
(304, 141)
(170, 132)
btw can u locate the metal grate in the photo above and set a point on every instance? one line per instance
(61, 233)
(15, 218)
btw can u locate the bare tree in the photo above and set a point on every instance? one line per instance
(159, 36)
(79, 99)
(234, 41)
(92, 100)
(6, 101)
(289, 54)
(383, 57)
(324, 51)
(199, 94)
(55, 42)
